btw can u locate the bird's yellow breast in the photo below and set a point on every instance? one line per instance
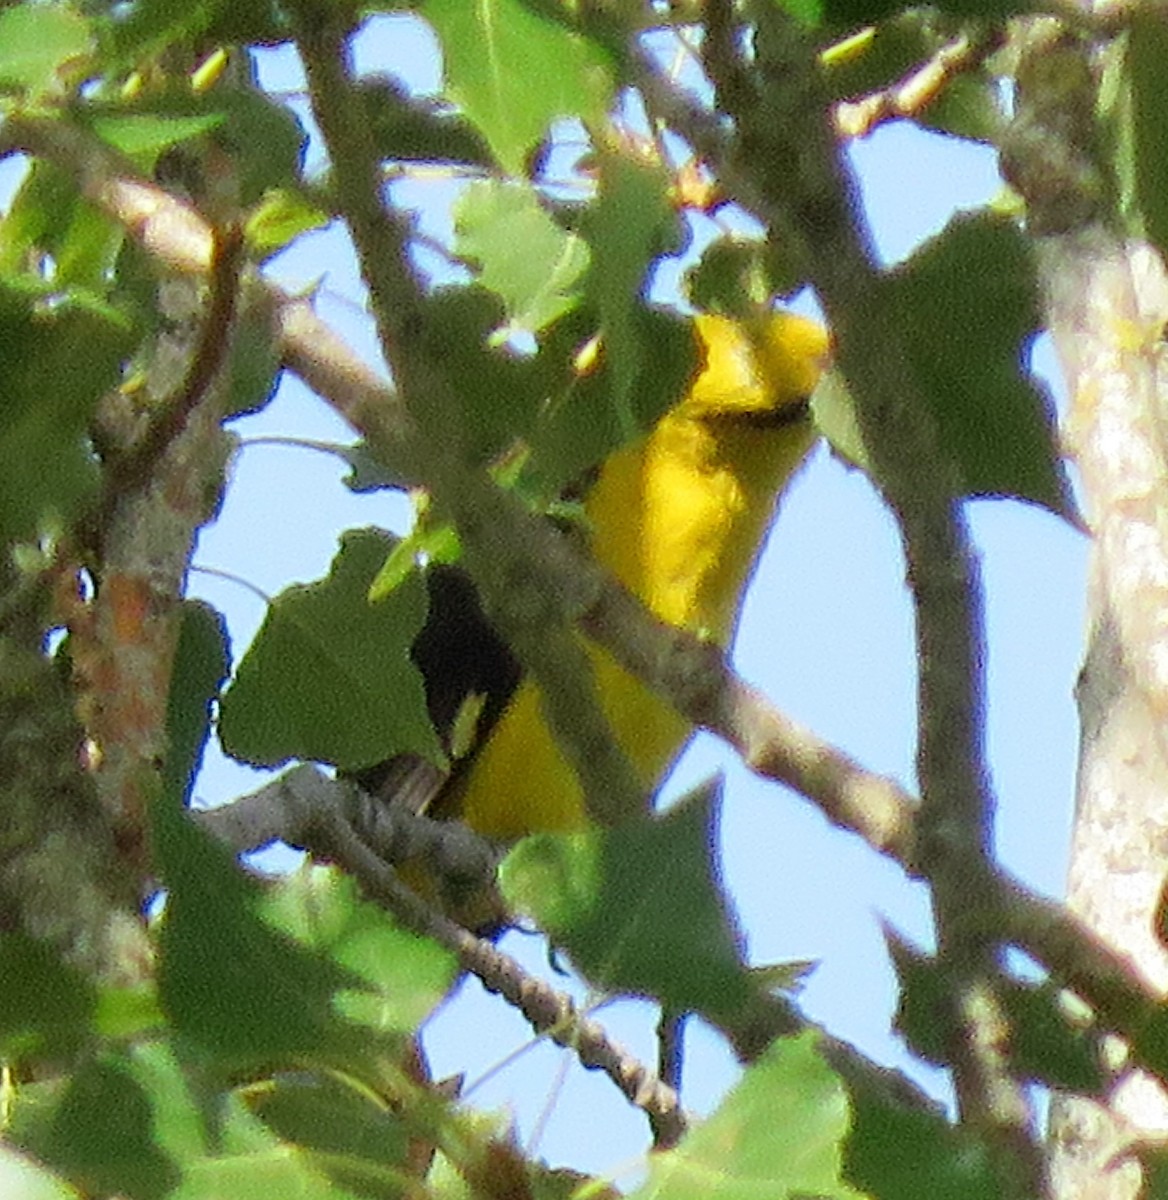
(678, 517)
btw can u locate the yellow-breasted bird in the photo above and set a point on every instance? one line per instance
(678, 516)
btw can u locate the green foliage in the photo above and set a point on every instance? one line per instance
(968, 308)
(641, 908)
(49, 470)
(329, 677)
(45, 1006)
(778, 1133)
(514, 72)
(41, 47)
(520, 253)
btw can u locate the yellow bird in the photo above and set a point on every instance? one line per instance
(678, 517)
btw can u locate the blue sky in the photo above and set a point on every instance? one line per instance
(827, 632)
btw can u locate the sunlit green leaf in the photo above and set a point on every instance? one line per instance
(523, 256)
(39, 43)
(778, 1133)
(514, 72)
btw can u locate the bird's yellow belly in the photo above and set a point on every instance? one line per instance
(522, 762)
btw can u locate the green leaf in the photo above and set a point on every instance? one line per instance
(252, 369)
(40, 46)
(202, 660)
(924, 1013)
(778, 1133)
(46, 1007)
(48, 216)
(898, 1150)
(1045, 1046)
(1146, 50)
(142, 137)
(329, 675)
(629, 227)
(49, 469)
(513, 72)
(231, 985)
(640, 909)
(403, 976)
(967, 302)
(522, 255)
(102, 1135)
(359, 1140)
(499, 391)
(409, 128)
(279, 218)
(584, 420)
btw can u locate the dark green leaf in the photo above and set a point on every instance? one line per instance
(46, 1007)
(231, 985)
(1045, 1046)
(102, 1135)
(899, 1149)
(968, 307)
(407, 128)
(522, 255)
(1146, 51)
(499, 392)
(329, 675)
(641, 908)
(924, 1013)
(49, 470)
(360, 1142)
(201, 662)
(252, 366)
(513, 72)
(778, 1133)
(584, 423)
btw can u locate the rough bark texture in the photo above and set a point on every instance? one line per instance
(1108, 302)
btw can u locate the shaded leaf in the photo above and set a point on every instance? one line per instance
(46, 1007)
(1147, 46)
(897, 1150)
(629, 227)
(498, 391)
(641, 908)
(329, 675)
(359, 1141)
(201, 663)
(403, 976)
(584, 420)
(49, 468)
(968, 307)
(102, 1135)
(407, 128)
